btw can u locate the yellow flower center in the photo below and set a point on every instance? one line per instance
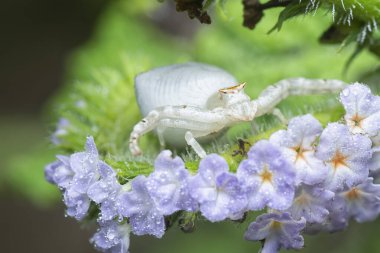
(353, 194)
(302, 199)
(266, 175)
(338, 160)
(357, 120)
(276, 225)
(300, 152)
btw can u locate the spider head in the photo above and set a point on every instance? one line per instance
(239, 104)
(233, 95)
(233, 89)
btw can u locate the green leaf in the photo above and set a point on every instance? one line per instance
(207, 4)
(292, 10)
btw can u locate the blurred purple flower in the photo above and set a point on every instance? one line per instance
(112, 237)
(311, 202)
(77, 204)
(336, 220)
(362, 201)
(362, 109)
(279, 230)
(374, 166)
(59, 172)
(60, 131)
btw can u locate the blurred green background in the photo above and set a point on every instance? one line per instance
(54, 52)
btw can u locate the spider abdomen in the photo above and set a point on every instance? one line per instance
(190, 84)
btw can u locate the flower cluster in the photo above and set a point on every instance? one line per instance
(308, 179)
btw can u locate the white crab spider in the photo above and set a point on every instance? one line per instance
(187, 103)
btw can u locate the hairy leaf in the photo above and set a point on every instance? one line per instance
(292, 10)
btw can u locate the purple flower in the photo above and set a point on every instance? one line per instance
(338, 217)
(336, 220)
(346, 155)
(112, 237)
(105, 192)
(279, 230)
(311, 202)
(374, 166)
(217, 191)
(167, 185)
(267, 177)
(77, 203)
(60, 131)
(74, 175)
(78, 171)
(297, 147)
(375, 160)
(144, 216)
(85, 166)
(363, 201)
(362, 109)
(59, 172)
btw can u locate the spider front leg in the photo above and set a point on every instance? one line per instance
(189, 137)
(192, 142)
(145, 125)
(274, 94)
(160, 134)
(195, 122)
(277, 113)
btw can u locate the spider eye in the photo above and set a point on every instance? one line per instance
(233, 89)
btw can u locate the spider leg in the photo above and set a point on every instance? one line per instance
(277, 112)
(201, 122)
(160, 134)
(145, 125)
(191, 141)
(196, 130)
(274, 94)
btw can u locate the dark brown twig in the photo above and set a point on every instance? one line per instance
(254, 10)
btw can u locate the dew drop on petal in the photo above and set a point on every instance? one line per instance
(346, 92)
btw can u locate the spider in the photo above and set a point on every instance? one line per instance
(194, 102)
